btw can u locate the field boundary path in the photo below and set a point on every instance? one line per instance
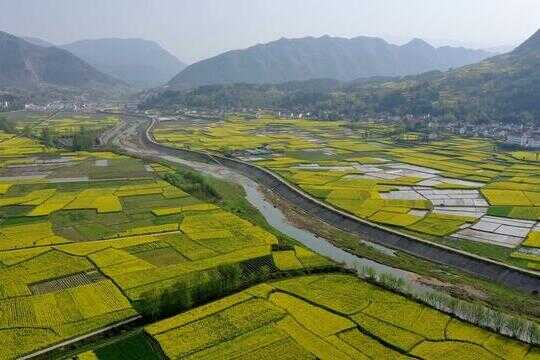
(508, 275)
(43, 352)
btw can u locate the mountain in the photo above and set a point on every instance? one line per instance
(25, 65)
(503, 49)
(288, 96)
(502, 88)
(325, 57)
(37, 41)
(531, 45)
(138, 62)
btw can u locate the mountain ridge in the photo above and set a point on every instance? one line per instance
(323, 57)
(502, 88)
(37, 41)
(25, 65)
(531, 44)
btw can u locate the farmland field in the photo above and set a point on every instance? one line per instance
(461, 192)
(326, 317)
(85, 235)
(92, 239)
(63, 123)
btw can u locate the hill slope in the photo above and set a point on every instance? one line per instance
(25, 65)
(135, 61)
(325, 57)
(502, 88)
(37, 41)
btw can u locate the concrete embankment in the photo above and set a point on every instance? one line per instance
(521, 279)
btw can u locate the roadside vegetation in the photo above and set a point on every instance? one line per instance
(460, 192)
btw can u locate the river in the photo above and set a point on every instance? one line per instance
(277, 219)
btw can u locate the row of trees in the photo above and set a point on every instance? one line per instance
(193, 183)
(183, 295)
(84, 139)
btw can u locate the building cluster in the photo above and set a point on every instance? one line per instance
(63, 106)
(527, 140)
(9, 102)
(514, 135)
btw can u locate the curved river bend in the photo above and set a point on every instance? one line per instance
(275, 218)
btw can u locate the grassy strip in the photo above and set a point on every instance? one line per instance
(460, 284)
(493, 252)
(472, 312)
(229, 196)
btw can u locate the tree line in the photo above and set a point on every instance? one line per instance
(201, 288)
(83, 139)
(475, 96)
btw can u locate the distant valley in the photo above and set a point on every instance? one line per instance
(25, 65)
(138, 62)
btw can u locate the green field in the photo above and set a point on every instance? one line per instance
(136, 347)
(64, 123)
(326, 317)
(88, 234)
(443, 190)
(90, 239)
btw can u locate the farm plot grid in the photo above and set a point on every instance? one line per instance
(81, 240)
(462, 192)
(326, 317)
(63, 123)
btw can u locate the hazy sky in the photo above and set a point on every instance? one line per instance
(195, 29)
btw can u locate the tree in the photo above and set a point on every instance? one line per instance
(6, 125)
(526, 118)
(448, 118)
(153, 305)
(183, 296)
(47, 137)
(83, 139)
(150, 304)
(231, 276)
(27, 131)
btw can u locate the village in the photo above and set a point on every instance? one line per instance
(509, 135)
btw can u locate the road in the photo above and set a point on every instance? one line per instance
(137, 140)
(44, 352)
(133, 135)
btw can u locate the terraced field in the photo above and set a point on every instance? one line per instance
(461, 192)
(86, 235)
(322, 317)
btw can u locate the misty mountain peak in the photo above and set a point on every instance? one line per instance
(6, 36)
(418, 44)
(323, 57)
(25, 65)
(531, 44)
(138, 62)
